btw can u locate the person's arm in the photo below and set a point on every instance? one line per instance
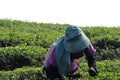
(90, 55)
(50, 58)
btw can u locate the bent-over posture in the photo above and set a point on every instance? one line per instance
(67, 53)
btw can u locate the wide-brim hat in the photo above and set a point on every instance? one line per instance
(75, 40)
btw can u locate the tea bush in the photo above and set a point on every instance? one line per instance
(25, 73)
(108, 54)
(108, 70)
(15, 57)
(15, 33)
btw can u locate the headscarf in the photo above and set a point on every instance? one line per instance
(73, 41)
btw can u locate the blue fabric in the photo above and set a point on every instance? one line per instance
(71, 32)
(62, 58)
(73, 41)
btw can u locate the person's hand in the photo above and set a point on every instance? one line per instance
(93, 72)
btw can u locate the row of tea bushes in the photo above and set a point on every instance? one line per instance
(108, 70)
(107, 54)
(15, 57)
(44, 39)
(25, 73)
(104, 37)
(15, 33)
(29, 39)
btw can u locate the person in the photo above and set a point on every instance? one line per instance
(67, 53)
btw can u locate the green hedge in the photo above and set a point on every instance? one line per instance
(13, 33)
(44, 39)
(103, 37)
(25, 73)
(19, 56)
(107, 54)
(108, 70)
(14, 57)
(29, 39)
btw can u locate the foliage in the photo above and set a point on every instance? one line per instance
(15, 33)
(15, 57)
(108, 70)
(24, 45)
(107, 54)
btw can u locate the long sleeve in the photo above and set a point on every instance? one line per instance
(90, 55)
(50, 59)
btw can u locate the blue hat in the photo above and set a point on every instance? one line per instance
(75, 40)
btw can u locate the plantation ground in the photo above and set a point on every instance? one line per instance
(24, 46)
